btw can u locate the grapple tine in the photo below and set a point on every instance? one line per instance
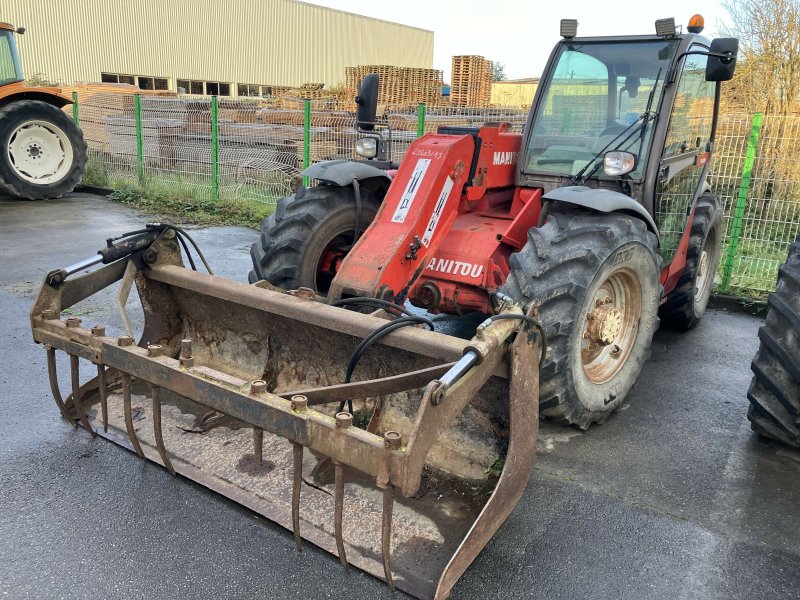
(101, 380)
(100, 331)
(338, 492)
(258, 444)
(53, 375)
(297, 480)
(386, 535)
(74, 367)
(391, 441)
(126, 401)
(343, 422)
(299, 403)
(162, 450)
(259, 386)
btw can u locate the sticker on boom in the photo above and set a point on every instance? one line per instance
(412, 187)
(437, 211)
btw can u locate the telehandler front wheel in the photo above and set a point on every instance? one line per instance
(595, 280)
(42, 152)
(305, 240)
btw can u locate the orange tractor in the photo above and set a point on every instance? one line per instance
(402, 449)
(42, 151)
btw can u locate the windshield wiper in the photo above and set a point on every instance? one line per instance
(639, 124)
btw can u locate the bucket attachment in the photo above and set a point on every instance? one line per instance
(242, 389)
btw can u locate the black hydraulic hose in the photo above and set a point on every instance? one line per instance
(183, 232)
(186, 250)
(375, 302)
(533, 322)
(373, 337)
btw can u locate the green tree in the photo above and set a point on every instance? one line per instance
(499, 72)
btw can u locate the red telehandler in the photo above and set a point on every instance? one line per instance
(406, 457)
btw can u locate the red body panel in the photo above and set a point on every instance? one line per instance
(448, 225)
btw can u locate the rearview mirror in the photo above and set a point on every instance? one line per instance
(367, 102)
(722, 59)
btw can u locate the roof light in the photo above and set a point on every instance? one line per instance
(696, 24)
(569, 28)
(665, 27)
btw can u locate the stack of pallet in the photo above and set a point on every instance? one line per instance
(99, 101)
(471, 81)
(398, 85)
(294, 98)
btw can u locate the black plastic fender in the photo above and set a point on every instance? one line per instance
(602, 200)
(343, 172)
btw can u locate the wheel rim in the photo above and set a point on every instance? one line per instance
(611, 323)
(702, 284)
(331, 259)
(39, 152)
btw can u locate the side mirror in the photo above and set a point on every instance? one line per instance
(722, 59)
(367, 102)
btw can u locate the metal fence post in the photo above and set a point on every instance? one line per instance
(75, 110)
(421, 120)
(306, 138)
(214, 148)
(741, 199)
(137, 103)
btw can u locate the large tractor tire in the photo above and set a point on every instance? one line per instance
(303, 242)
(595, 280)
(687, 303)
(774, 392)
(42, 151)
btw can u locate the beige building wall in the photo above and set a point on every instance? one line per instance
(268, 42)
(517, 94)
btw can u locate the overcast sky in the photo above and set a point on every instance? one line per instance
(520, 33)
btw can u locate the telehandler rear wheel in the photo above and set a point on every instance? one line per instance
(687, 303)
(774, 393)
(42, 152)
(304, 241)
(595, 280)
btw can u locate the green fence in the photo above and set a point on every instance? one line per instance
(256, 150)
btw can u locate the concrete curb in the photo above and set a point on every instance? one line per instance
(749, 306)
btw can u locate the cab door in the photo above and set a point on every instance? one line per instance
(686, 151)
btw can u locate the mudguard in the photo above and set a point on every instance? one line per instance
(343, 172)
(602, 200)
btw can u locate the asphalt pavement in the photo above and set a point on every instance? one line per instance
(674, 497)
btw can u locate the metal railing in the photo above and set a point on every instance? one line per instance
(256, 150)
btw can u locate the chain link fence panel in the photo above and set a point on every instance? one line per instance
(256, 150)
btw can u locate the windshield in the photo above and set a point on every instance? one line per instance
(596, 100)
(9, 62)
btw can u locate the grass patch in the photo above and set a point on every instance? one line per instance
(193, 206)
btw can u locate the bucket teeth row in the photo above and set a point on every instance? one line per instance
(343, 421)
